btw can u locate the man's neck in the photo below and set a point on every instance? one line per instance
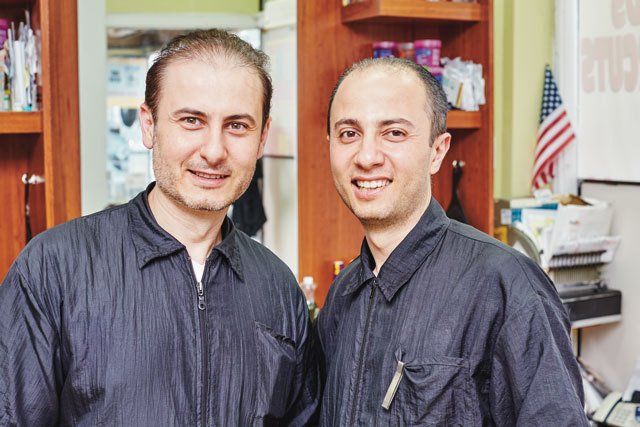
(383, 240)
(198, 231)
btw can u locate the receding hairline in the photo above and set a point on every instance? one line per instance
(372, 66)
(216, 62)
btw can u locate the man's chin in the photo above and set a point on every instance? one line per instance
(199, 202)
(371, 217)
(206, 205)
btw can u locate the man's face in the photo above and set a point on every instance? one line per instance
(380, 133)
(208, 133)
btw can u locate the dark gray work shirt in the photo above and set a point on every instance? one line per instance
(100, 324)
(479, 327)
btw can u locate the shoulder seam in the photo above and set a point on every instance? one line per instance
(524, 271)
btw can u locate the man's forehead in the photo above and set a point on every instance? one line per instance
(207, 83)
(374, 75)
(191, 69)
(363, 91)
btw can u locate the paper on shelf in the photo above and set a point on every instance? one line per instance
(578, 227)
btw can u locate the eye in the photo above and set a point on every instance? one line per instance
(395, 135)
(348, 135)
(191, 122)
(238, 128)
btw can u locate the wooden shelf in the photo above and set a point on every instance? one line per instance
(413, 10)
(16, 3)
(19, 122)
(457, 119)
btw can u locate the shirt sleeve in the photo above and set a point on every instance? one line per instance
(305, 398)
(29, 357)
(535, 379)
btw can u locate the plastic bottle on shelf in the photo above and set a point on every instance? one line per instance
(308, 288)
(384, 49)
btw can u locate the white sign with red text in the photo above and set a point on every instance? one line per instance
(609, 93)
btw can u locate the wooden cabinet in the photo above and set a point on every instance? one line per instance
(330, 38)
(46, 142)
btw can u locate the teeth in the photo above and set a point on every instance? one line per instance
(209, 176)
(372, 184)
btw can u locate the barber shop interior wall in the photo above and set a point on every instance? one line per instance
(523, 44)
(611, 350)
(92, 62)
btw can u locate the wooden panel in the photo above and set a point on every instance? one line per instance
(405, 10)
(37, 201)
(14, 159)
(457, 119)
(474, 147)
(61, 132)
(19, 122)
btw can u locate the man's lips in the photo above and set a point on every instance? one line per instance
(209, 174)
(371, 184)
(209, 179)
(368, 188)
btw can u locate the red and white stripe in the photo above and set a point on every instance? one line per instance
(554, 134)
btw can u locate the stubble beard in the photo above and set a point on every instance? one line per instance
(395, 212)
(167, 182)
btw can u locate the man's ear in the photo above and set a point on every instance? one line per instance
(147, 125)
(439, 149)
(263, 137)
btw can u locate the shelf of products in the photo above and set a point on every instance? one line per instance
(20, 122)
(407, 10)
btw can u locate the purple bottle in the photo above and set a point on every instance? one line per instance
(427, 52)
(384, 49)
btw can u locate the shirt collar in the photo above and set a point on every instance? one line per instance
(406, 257)
(151, 241)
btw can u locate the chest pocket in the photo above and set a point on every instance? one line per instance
(433, 391)
(276, 368)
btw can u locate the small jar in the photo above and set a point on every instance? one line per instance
(405, 50)
(384, 49)
(427, 52)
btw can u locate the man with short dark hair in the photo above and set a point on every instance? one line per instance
(160, 312)
(435, 323)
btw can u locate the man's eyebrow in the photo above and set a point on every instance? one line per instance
(190, 112)
(247, 117)
(399, 121)
(349, 122)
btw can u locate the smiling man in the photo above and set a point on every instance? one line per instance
(435, 323)
(160, 312)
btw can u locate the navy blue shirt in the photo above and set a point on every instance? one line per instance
(478, 328)
(102, 322)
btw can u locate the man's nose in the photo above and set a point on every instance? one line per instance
(369, 154)
(213, 148)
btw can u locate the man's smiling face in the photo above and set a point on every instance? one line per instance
(380, 134)
(208, 132)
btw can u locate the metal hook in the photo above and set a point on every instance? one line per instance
(32, 180)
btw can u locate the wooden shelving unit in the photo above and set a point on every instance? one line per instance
(457, 119)
(46, 142)
(330, 38)
(18, 123)
(407, 10)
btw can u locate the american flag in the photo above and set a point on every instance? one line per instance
(554, 133)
